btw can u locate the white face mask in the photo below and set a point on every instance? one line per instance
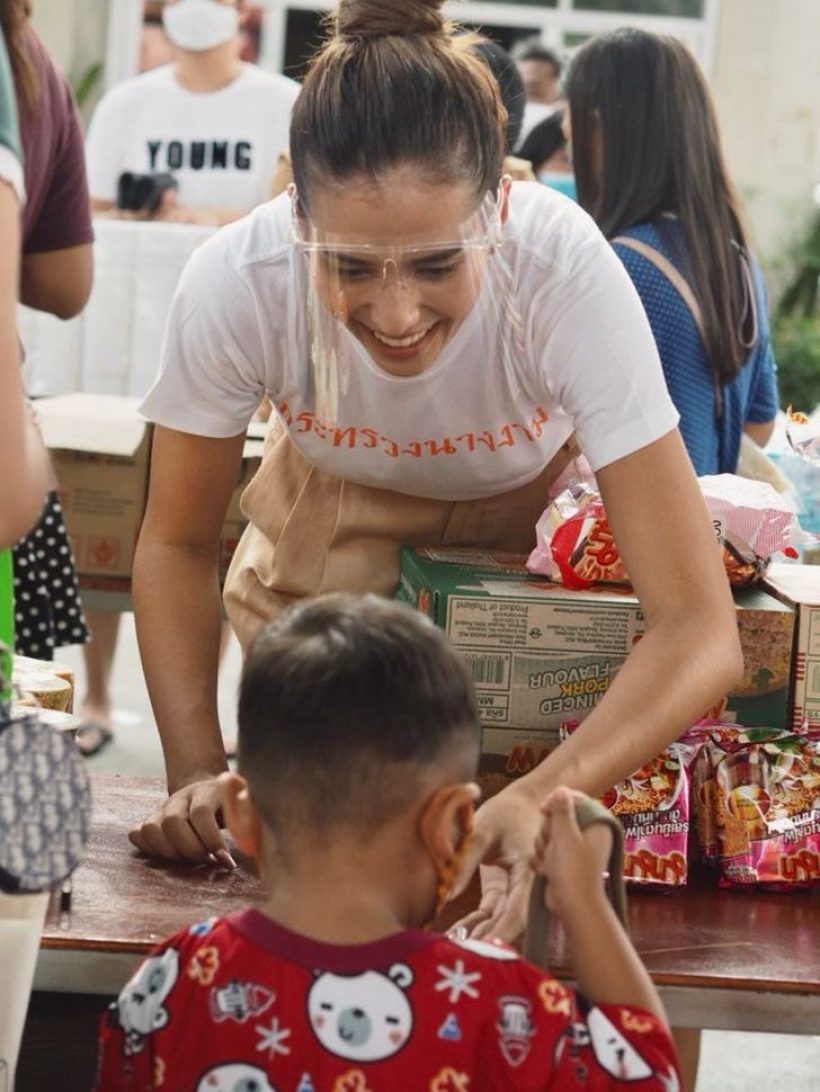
(197, 25)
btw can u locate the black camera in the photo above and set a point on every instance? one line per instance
(143, 192)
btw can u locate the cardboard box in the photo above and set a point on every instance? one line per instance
(799, 586)
(507, 753)
(100, 450)
(542, 654)
(235, 520)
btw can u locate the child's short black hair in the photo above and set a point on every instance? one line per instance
(346, 706)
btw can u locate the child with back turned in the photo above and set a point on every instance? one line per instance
(358, 749)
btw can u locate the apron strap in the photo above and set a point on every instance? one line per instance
(679, 282)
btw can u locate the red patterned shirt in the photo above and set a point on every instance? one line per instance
(243, 1005)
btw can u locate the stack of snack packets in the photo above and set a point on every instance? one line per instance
(752, 521)
(757, 793)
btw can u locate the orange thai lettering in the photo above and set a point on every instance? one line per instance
(800, 867)
(539, 420)
(342, 434)
(442, 447)
(662, 868)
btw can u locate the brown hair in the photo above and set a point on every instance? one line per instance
(645, 96)
(394, 84)
(14, 23)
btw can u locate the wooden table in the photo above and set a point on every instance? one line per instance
(747, 961)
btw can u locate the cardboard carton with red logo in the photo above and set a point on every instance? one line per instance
(543, 655)
(100, 449)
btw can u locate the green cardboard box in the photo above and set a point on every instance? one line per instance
(542, 654)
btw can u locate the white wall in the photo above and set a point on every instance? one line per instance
(767, 88)
(74, 31)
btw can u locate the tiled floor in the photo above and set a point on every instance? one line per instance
(731, 1061)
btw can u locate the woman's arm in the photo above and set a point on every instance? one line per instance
(688, 658)
(690, 654)
(177, 608)
(23, 460)
(58, 281)
(759, 431)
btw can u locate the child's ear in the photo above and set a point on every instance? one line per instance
(446, 823)
(240, 813)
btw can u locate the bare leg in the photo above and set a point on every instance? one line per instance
(687, 1040)
(99, 659)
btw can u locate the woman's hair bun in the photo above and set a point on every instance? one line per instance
(379, 18)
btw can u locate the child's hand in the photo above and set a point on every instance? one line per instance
(573, 861)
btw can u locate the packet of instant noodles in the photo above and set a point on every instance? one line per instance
(575, 545)
(758, 793)
(654, 807)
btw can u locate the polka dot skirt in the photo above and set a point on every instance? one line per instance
(48, 612)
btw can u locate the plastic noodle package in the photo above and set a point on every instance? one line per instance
(758, 799)
(803, 436)
(752, 521)
(654, 807)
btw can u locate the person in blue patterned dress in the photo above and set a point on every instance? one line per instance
(650, 171)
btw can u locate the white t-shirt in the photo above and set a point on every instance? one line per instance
(461, 430)
(221, 146)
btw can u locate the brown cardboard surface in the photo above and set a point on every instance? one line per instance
(100, 450)
(799, 586)
(543, 655)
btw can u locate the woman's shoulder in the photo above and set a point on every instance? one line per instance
(251, 250)
(549, 229)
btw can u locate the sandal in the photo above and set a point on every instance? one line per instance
(587, 811)
(91, 738)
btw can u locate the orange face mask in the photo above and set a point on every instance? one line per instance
(450, 870)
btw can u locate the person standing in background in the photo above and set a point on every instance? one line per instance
(547, 150)
(21, 493)
(213, 122)
(56, 275)
(218, 126)
(650, 171)
(540, 70)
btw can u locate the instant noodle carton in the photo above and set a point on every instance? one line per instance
(542, 654)
(799, 586)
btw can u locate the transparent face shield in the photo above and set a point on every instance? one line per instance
(402, 300)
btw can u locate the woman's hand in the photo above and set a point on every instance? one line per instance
(503, 842)
(187, 826)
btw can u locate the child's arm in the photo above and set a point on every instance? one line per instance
(607, 967)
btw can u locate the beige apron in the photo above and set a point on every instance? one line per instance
(310, 532)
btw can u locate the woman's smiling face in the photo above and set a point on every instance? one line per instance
(396, 262)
